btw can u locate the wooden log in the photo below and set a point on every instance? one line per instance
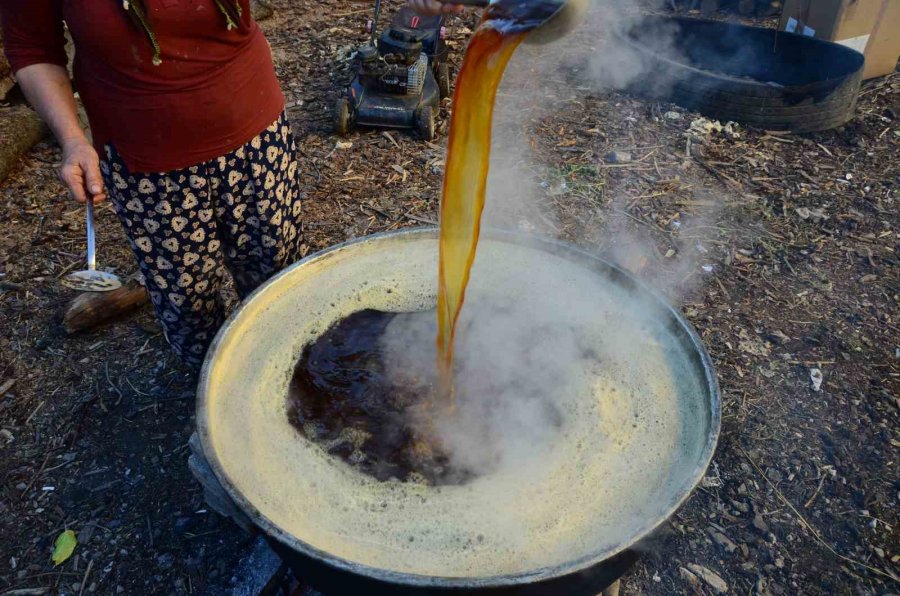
(261, 10)
(6, 80)
(20, 129)
(92, 309)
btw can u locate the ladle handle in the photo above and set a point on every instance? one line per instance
(91, 248)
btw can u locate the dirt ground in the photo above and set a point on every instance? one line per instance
(782, 250)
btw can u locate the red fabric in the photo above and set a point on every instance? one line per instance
(214, 91)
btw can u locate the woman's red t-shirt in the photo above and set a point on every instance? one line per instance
(214, 90)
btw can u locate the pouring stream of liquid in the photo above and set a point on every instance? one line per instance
(468, 153)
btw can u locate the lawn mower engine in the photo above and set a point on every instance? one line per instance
(398, 66)
(399, 80)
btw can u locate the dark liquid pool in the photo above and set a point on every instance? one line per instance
(346, 396)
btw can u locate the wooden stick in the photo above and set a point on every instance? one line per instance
(92, 309)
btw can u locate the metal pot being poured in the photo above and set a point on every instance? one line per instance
(640, 421)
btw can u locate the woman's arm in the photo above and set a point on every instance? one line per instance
(35, 45)
(48, 89)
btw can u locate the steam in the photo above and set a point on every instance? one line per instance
(541, 80)
(593, 61)
(516, 355)
(522, 352)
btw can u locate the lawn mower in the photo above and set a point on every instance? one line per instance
(400, 78)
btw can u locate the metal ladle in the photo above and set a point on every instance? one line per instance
(91, 280)
(548, 20)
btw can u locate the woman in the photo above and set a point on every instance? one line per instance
(190, 140)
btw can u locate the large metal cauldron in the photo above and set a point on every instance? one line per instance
(640, 425)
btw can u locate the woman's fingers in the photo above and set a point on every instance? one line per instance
(72, 177)
(99, 198)
(80, 172)
(94, 181)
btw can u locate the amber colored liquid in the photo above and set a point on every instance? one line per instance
(465, 178)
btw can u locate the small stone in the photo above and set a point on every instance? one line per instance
(760, 524)
(165, 560)
(742, 507)
(688, 577)
(724, 541)
(816, 378)
(780, 336)
(84, 535)
(879, 552)
(779, 563)
(710, 482)
(181, 524)
(618, 157)
(711, 579)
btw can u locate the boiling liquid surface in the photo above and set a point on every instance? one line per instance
(633, 426)
(351, 393)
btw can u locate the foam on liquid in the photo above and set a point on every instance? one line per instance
(634, 425)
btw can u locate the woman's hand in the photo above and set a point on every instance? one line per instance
(80, 171)
(49, 90)
(434, 7)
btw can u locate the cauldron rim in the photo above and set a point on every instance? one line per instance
(414, 580)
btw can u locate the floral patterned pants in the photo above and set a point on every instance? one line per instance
(238, 212)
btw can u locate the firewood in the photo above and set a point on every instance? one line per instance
(20, 129)
(261, 9)
(92, 309)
